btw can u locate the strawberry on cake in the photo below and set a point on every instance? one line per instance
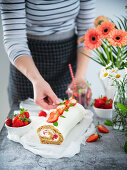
(60, 122)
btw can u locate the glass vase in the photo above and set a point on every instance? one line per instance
(119, 120)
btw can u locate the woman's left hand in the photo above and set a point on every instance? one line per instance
(81, 82)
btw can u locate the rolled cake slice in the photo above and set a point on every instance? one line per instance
(56, 132)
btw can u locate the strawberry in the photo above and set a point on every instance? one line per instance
(42, 113)
(18, 123)
(8, 122)
(108, 104)
(26, 114)
(15, 119)
(53, 117)
(26, 123)
(99, 103)
(60, 111)
(104, 98)
(93, 137)
(72, 101)
(102, 129)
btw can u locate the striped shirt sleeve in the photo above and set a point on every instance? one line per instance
(86, 17)
(14, 28)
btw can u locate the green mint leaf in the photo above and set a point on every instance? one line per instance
(125, 147)
(123, 108)
(66, 110)
(55, 123)
(72, 104)
(80, 91)
(62, 116)
(125, 134)
(60, 104)
(108, 123)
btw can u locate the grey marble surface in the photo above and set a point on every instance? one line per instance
(105, 154)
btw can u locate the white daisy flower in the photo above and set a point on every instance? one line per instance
(104, 73)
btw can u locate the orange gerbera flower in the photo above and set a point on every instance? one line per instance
(118, 38)
(99, 20)
(92, 39)
(105, 28)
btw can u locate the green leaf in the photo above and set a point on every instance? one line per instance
(125, 147)
(72, 104)
(66, 110)
(55, 123)
(125, 134)
(80, 91)
(123, 108)
(60, 104)
(108, 123)
(22, 110)
(62, 116)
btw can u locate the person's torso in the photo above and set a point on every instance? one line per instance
(45, 17)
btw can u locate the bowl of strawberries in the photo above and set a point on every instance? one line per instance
(19, 124)
(103, 107)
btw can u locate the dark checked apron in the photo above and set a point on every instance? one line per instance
(51, 58)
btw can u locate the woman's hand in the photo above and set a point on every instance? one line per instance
(81, 82)
(44, 95)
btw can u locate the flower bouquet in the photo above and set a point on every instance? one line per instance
(109, 47)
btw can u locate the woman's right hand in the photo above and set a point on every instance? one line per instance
(44, 95)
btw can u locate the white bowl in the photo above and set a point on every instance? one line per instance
(103, 113)
(18, 131)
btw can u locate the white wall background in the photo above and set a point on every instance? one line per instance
(109, 8)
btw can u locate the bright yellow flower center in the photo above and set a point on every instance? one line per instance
(105, 74)
(113, 71)
(117, 76)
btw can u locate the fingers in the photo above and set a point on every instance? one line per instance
(52, 97)
(89, 96)
(43, 103)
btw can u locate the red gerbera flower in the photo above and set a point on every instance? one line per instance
(92, 39)
(118, 38)
(105, 28)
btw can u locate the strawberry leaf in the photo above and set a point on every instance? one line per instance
(125, 134)
(66, 110)
(108, 123)
(62, 116)
(55, 123)
(125, 147)
(15, 115)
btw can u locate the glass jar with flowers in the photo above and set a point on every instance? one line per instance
(109, 47)
(120, 102)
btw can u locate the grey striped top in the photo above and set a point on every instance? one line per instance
(42, 17)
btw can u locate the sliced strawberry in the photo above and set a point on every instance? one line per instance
(8, 122)
(60, 110)
(92, 138)
(42, 113)
(55, 136)
(102, 129)
(53, 117)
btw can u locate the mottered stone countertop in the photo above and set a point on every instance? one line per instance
(105, 154)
